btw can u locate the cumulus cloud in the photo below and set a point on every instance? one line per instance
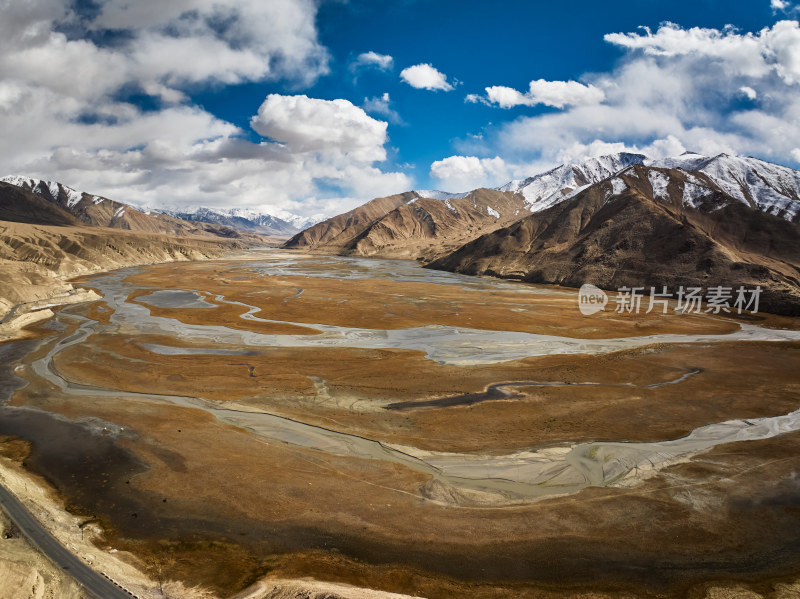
(327, 126)
(62, 90)
(425, 76)
(753, 55)
(549, 93)
(197, 40)
(384, 62)
(674, 89)
(659, 148)
(796, 155)
(470, 172)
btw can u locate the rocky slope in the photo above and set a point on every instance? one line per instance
(425, 224)
(35, 260)
(45, 240)
(647, 226)
(413, 226)
(338, 232)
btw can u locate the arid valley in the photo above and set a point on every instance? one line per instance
(284, 416)
(441, 299)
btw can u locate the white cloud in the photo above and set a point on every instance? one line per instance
(383, 62)
(777, 5)
(506, 97)
(752, 55)
(675, 89)
(327, 126)
(62, 119)
(378, 104)
(382, 105)
(659, 148)
(475, 99)
(234, 41)
(425, 76)
(796, 155)
(462, 173)
(781, 48)
(749, 92)
(549, 93)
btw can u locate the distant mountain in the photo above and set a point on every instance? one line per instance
(48, 202)
(652, 226)
(50, 232)
(242, 219)
(413, 225)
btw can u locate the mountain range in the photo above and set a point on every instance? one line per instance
(612, 221)
(99, 211)
(242, 219)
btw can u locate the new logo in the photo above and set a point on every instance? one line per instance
(591, 299)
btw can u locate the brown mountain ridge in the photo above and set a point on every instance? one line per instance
(639, 229)
(412, 226)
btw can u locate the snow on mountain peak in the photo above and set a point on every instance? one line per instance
(771, 188)
(548, 189)
(242, 218)
(435, 194)
(762, 185)
(38, 186)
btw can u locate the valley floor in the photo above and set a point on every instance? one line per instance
(228, 426)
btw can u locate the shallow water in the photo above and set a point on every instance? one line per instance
(443, 344)
(511, 478)
(174, 298)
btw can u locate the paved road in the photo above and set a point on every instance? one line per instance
(95, 584)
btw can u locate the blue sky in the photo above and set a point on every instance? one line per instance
(306, 108)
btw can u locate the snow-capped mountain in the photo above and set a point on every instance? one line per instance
(70, 206)
(239, 218)
(424, 224)
(96, 210)
(547, 189)
(92, 209)
(658, 225)
(52, 191)
(768, 187)
(762, 185)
